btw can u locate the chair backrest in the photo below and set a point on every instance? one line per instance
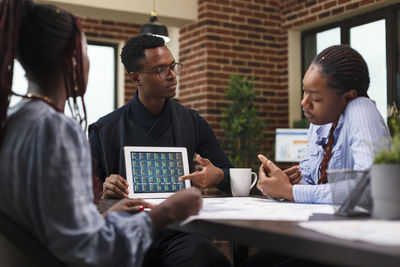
(19, 248)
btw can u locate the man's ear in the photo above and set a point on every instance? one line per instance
(349, 96)
(134, 77)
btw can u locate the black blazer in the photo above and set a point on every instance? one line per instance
(108, 137)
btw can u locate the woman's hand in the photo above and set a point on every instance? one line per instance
(129, 205)
(272, 181)
(294, 174)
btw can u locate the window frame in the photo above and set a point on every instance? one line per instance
(115, 47)
(389, 15)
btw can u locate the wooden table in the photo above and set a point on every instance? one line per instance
(287, 238)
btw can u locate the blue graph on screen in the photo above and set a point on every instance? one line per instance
(157, 172)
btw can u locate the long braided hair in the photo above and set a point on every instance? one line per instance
(345, 69)
(40, 36)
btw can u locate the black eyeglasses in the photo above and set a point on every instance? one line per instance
(163, 71)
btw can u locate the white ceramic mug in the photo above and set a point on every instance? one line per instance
(241, 181)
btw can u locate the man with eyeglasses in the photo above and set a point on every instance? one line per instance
(152, 118)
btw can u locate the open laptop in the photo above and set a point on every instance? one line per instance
(153, 172)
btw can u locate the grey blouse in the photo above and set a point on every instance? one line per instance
(46, 186)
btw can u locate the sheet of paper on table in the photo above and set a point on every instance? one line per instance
(249, 208)
(380, 232)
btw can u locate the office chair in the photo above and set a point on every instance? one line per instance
(19, 248)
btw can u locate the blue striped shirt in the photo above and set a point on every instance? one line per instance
(360, 133)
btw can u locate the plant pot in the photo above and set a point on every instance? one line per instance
(385, 190)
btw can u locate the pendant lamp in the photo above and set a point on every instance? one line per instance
(154, 27)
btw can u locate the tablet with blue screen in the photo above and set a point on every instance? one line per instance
(153, 172)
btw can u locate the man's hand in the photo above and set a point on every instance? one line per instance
(208, 176)
(115, 187)
(129, 205)
(294, 174)
(273, 181)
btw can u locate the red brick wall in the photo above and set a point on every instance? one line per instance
(249, 37)
(300, 12)
(235, 37)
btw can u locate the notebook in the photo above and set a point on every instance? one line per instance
(153, 172)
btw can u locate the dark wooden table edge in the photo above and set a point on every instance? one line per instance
(292, 240)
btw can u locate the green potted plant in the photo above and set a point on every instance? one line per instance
(385, 174)
(391, 156)
(243, 129)
(301, 124)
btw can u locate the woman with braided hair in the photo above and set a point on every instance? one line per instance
(345, 131)
(45, 162)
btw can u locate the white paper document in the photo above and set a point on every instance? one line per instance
(385, 233)
(248, 208)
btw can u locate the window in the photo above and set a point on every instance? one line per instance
(376, 36)
(316, 42)
(101, 94)
(20, 83)
(373, 51)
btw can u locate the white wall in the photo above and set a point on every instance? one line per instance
(134, 11)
